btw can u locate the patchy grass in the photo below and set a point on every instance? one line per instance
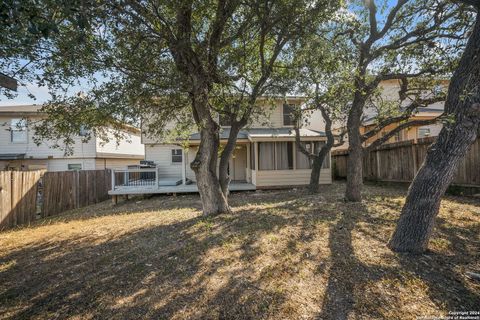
(280, 255)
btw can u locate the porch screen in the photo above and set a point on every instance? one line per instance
(284, 155)
(326, 162)
(302, 160)
(266, 156)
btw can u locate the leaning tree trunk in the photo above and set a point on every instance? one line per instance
(416, 221)
(355, 152)
(318, 162)
(205, 163)
(227, 153)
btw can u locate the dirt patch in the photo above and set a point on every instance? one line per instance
(281, 254)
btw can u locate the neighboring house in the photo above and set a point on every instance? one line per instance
(265, 155)
(410, 133)
(390, 89)
(19, 152)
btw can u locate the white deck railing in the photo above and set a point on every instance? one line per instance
(134, 178)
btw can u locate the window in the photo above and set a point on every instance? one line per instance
(303, 162)
(74, 166)
(288, 114)
(266, 156)
(423, 132)
(177, 155)
(83, 131)
(284, 155)
(437, 90)
(275, 155)
(397, 137)
(18, 129)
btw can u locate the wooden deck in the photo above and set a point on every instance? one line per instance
(182, 188)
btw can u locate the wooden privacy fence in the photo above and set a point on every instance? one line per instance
(18, 197)
(400, 161)
(65, 190)
(25, 195)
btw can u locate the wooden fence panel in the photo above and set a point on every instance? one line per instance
(18, 197)
(401, 161)
(68, 190)
(5, 198)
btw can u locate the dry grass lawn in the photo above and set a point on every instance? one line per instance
(280, 255)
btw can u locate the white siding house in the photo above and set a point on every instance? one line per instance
(19, 152)
(265, 156)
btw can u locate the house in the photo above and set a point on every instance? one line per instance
(410, 133)
(265, 155)
(389, 92)
(19, 152)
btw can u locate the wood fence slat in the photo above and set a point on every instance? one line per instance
(400, 162)
(74, 189)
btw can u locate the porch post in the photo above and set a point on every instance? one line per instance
(184, 173)
(256, 156)
(113, 179)
(249, 171)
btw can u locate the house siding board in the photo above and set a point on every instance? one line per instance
(44, 150)
(272, 178)
(272, 118)
(130, 144)
(62, 164)
(162, 156)
(110, 163)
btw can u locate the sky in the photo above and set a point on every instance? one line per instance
(41, 94)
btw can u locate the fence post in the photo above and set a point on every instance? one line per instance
(377, 156)
(414, 155)
(156, 176)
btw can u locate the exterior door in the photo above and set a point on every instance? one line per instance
(240, 163)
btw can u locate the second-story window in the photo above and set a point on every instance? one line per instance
(83, 131)
(423, 132)
(288, 114)
(18, 129)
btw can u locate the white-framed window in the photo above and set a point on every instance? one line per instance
(74, 166)
(18, 130)
(177, 155)
(288, 114)
(424, 132)
(83, 131)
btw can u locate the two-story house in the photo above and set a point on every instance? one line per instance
(265, 155)
(19, 152)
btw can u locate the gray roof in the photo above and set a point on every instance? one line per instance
(265, 133)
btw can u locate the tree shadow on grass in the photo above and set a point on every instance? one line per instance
(349, 276)
(215, 267)
(165, 271)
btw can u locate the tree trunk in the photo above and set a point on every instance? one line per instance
(226, 156)
(317, 166)
(416, 221)
(205, 163)
(355, 152)
(315, 174)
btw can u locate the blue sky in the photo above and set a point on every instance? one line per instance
(41, 93)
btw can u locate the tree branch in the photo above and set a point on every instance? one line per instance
(402, 126)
